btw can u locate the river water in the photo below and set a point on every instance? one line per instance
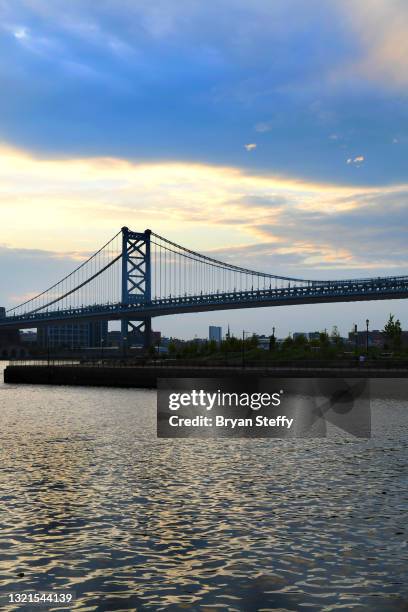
(93, 502)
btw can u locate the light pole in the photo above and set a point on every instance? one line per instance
(272, 340)
(355, 337)
(367, 324)
(124, 346)
(102, 341)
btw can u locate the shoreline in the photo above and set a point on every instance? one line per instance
(147, 376)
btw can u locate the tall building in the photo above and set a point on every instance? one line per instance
(9, 340)
(215, 333)
(74, 335)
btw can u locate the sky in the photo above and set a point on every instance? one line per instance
(270, 134)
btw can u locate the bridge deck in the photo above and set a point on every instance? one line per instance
(340, 291)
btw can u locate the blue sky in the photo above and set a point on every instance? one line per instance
(270, 131)
(195, 81)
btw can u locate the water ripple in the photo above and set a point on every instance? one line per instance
(93, 502)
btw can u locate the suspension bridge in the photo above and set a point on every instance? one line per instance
(139, 275)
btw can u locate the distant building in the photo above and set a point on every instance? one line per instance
(137, 339)
(28, 337)
(9, 337)
(264, 342)
(73, 335)
(308, 335)
(10, 345)
(375, 338)
(215, 333)
(134, 338)
(114, 338)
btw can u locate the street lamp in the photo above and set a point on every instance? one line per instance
(124, 346)
(102, 341)
(272, 339)
(48, 345)
(367, 324)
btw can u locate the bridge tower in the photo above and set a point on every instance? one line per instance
(136, 281)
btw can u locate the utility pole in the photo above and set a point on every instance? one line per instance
(367, 324)
(272, 340)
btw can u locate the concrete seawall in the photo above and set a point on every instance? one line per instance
(146, 377)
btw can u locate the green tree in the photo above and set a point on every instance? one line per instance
(287, 343)
(231, 345)
(212, 347)
(324, 339)
(251, 342)
(300, 341)
(393, 331)
(335, 337)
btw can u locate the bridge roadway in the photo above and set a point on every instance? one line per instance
(314, 292)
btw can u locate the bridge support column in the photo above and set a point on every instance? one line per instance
(136, 285)
(133, 332)
(147, 333)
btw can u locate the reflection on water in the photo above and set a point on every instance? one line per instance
(93, 502)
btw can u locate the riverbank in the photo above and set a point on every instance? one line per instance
(146, 376)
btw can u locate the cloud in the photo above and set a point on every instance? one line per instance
(356, 161)
(25, 271)
(264, 126)
(381, 27)
(369, 235)
(72, 206)
(20, 33)
(250, 147)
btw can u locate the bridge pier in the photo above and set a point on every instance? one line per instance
(141, 330)
(136, 282)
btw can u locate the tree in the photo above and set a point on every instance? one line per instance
(231, 345)
(393, 331)
(212, 347)
(251, 342)
(323, 338)
(335, 337)
(300, 340)
(287, 343)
